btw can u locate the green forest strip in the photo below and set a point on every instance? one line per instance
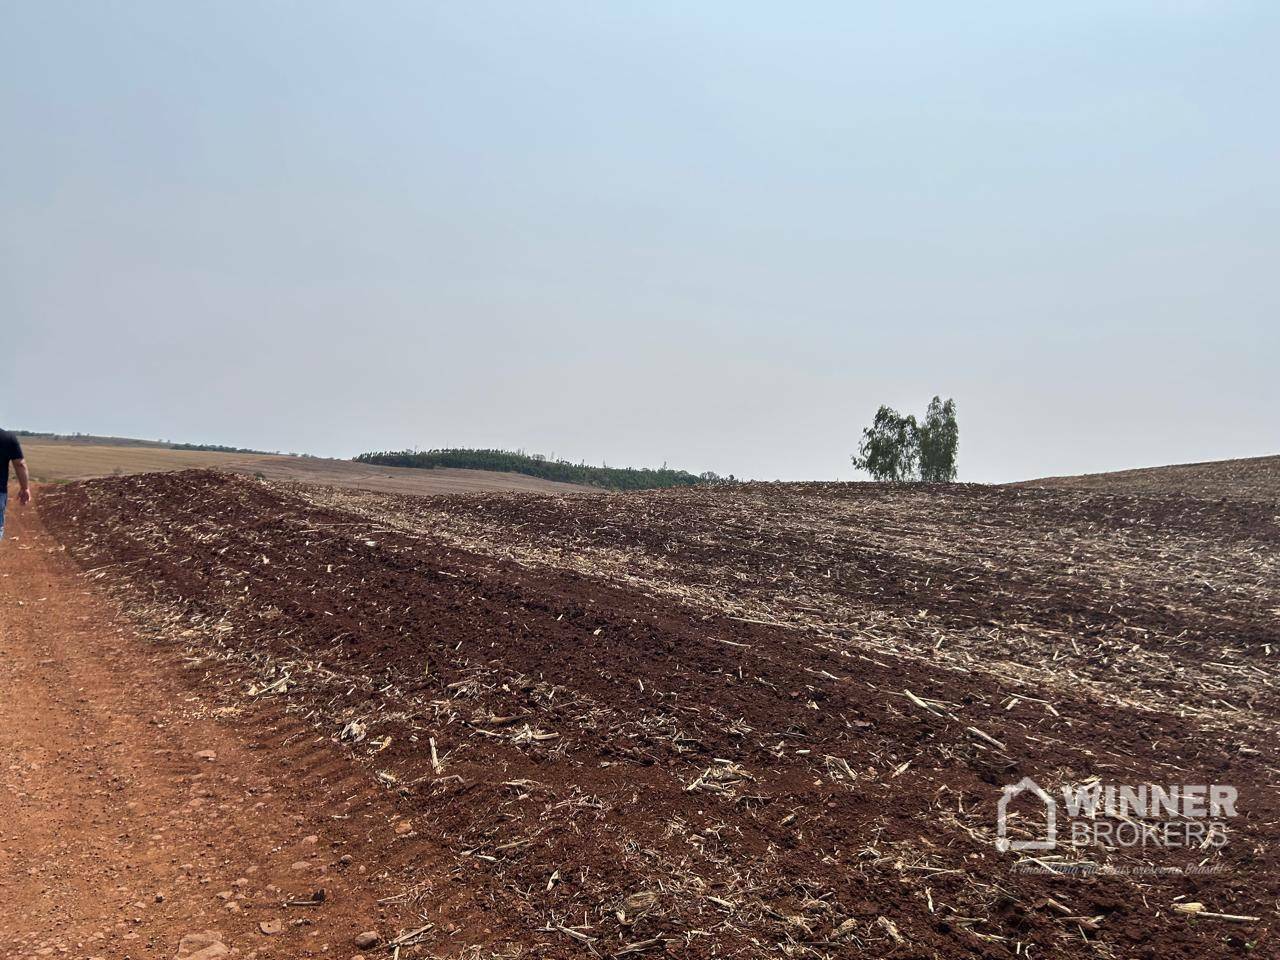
(609, 478)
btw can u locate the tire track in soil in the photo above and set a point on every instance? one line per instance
(117, 838)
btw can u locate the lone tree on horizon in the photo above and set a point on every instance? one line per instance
(896, 448)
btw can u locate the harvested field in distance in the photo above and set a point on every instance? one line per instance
(768, 720)
(60, 460)
(1254, 478)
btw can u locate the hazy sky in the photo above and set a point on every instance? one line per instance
(712, 234)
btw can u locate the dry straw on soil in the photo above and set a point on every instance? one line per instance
(759, 721)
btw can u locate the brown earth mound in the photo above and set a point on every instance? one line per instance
(771, 720)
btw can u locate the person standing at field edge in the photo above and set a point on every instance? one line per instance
(11, 451)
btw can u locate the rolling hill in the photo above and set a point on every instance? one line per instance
(1252, 478)
(64, 459)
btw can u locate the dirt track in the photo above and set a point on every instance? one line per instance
(684, 722)
(119, 835)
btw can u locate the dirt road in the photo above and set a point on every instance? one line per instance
(132, 815)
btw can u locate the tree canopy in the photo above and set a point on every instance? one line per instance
(896, 448)
(535, 465)
(939, 442)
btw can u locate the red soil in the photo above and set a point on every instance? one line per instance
(692, 721)
(120, 834)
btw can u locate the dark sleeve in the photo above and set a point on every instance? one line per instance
(10, 449)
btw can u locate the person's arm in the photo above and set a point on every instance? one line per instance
(24, 481)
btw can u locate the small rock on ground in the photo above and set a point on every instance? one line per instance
(206, 945)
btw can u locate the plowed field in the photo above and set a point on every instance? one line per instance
(771, 720)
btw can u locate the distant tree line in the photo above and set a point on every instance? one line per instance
(535, 465)
(897, 448)
(215, 448)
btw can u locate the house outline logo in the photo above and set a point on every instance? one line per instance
(1025, 785)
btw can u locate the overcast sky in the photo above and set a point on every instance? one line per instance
(715, 234)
